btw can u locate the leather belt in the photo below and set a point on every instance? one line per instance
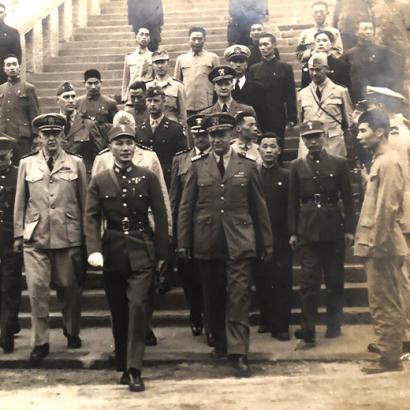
(127, 225)
(319, 199)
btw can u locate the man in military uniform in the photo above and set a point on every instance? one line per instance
(129, 250)
(82, 135)
(164, 136)
(18, 107)
(175, 99)
(187, 269)
(48, 215)
(273, 278)
(246, 91)
(95, 105)
(223, 223)
(138, 64)
(325, 101)
(9, 42)
(137, 104)
(10, 261)
(222, 78)
(380, 240)
(247, 132)
(318, 229)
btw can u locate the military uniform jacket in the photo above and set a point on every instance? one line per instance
(18, 107)
(167, 139)
(49, 206)
(116, 195)
(382, 208)
(8, 180)
(315, 187)
(223, 218)
(233, 108)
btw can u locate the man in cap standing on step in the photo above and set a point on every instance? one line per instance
(48, 215)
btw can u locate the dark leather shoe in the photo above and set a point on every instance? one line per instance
(373, 348)
(240, 364)
(74, 342)
(40, 352)
(7, 344)
(379, 367)
(406, 346)
(150, 339)
(263, 329)
(305, 335)
(125, 379)
(210, 340)
(281, 336)
(197, 328)
(333, 332)
(16, 328)
(136, 383)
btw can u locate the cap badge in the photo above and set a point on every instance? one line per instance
(221, 72)
(51, 121)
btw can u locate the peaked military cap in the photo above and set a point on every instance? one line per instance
(318, 59)
(219, 121)
(160, 55)
(49, 122)
(237, 50)
(383, 92)
(221, 72)
(121, 131)
(311, 127)
(92, 73)
(65, 87)
(6, 142)
(195, 124)
(154, 91)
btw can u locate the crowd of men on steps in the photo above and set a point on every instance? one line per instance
(192, 175)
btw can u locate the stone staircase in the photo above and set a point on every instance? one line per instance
(102, 45)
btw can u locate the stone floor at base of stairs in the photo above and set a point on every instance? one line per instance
(177, 345)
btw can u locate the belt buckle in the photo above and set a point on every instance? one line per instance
(317, 199)
(125, 224)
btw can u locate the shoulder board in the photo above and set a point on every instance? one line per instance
(198, 157)
(247, 156)
(233, 140)
(75, 154)
(143, 147)
(103, 151)
(178, 81)
(30, 154)
(184, 151)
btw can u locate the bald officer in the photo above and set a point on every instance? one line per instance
(48, 214)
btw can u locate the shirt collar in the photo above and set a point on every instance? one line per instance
(139, 50)
(197, 151)
(228, 103)
(225, 157)
(162, 83)
(72, 115)
(158, 120)
(197, 54)
(47, 157)
(241, 81)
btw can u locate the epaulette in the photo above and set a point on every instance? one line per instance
(30, 154)
(75, 154)
(142, 146)
(247, 156)
(184, 151)
(233, 140)
(103, 151)
(178, 81)
(200, 156)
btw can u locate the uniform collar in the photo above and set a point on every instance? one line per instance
(225, 157)
(122, 171)
(197, 54)
(228, 103)
(198, 152)
(381, 149)
(46, 157)
(270, 168)
(163, 82)
(139, 50)
(319, 157)
(6, 169)
(158, 120)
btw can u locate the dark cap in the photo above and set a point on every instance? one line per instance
(65, 87)
(237, 50)
(219, 121)
(6, 142)
(311, 127)
(92, 73)
(222, 72)
(121, 131)
(160, 55)
(195, 124)
(154, 91)
(49, 122)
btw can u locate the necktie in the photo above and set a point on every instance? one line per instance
(318, 93)
(50, 163)
(68, 124)
(224, 108)
(237, 88)
(221, 165)
(154, 125)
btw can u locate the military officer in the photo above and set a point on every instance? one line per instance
(223, 223)
(318, 229)
(129, 250)
(10, 261)
(18, 107)
(380, 240)
(175, 99)
(48, 214)
(187, 269)
(164, 136)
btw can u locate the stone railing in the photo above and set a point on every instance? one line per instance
(45, 24)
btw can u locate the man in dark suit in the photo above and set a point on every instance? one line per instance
(246, 91)
(187, 269)
(273, 278)
(164, 136)
(319, 230)
(18, 107)
(123, 194)
(278, 80)
(9, 42)
(223, 223)
(82, 135)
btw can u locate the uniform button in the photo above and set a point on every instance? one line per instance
(222, 198)
(3, 176)
(222, 185)
(52, 207)
(124, 190)
(222, 211)
(123, 177)
(51, 181)
(140, 196)
(124, 204)
(280, 183)
(319, 206)
(317, 161)
(123, 196)
(50, 194)
(317, 172)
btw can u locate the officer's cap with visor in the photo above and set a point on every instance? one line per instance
(160, 55)
(237, 52)
(121, 131)
(219, 121)
(221, 72)
(6, 142)
(49, 123)
(195, 124)
(154, 91)
(311, 129)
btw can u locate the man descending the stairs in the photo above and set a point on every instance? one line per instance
(48, 215)
(95, 105)
(11, 262)
(82, 135)
(223, 223)
(192, 68)
(122, 195)
(319, 231)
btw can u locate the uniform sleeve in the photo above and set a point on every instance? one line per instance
(20, 201)
(292, 114)
(175, 192)
(347, 197)
(347, 108)
(216, 61)
(82, 185)
(303, 51)
(92, 218)
(125, 80)
(178, 70)
(181, 142)
(113, 109)
(293, 200)
(33, 105)
(182, 110)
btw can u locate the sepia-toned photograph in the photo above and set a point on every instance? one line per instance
(204, 204)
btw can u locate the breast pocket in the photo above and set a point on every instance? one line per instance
(368, 211)
(34, 176)
(68, 176)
